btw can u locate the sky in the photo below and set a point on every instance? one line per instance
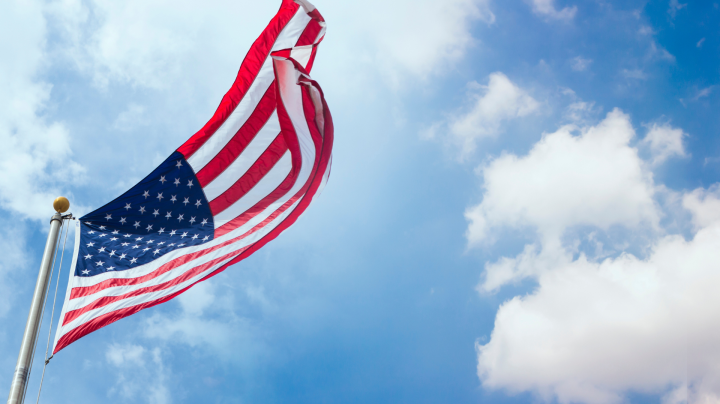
(524, 205)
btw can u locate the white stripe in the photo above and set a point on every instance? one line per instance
(71, 275)
(263, 188)
(287, 39)
(129, 302)
(245, 160)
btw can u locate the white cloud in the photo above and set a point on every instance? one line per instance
(141, 374)
(595, 178)
(580, 64)
(700, 43)
(704, 205)
(161, 44)
(636, 74)
(491, 105)
(207, 320)
(547, 9)
(593, 331)
(36, 157)
(674, 7)
(664, 142)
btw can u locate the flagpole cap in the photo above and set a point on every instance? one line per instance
(61, 204)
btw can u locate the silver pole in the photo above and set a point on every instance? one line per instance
(27, 347)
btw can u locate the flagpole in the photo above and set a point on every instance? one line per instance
(27, 347)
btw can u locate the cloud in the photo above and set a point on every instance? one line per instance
(207, 320)
(141, 374)
(580, 64)
(161, 43)
(636, 74)
(592, 331)
(700, 43)
(491, 105)
(547, 9)
(36, 158)
(664, 142)
(13, 258)
(594, 178)
(674, 7)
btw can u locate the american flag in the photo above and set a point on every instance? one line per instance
(235, 185)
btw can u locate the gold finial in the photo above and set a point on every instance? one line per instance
(61, 204)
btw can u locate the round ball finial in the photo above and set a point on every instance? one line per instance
(61, 204)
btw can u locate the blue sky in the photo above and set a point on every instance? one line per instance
(523, 204)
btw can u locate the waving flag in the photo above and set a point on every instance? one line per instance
(235, 185)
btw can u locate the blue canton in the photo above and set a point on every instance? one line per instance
(164, 212)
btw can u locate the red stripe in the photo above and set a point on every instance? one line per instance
(288, 132)
(105, 300)
(310, 34)
(249, 69)
(242, 138)
(255, 173)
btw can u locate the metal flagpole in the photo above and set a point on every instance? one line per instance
(27, 347)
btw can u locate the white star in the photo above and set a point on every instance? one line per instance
(162, 179)
(127, 206)
(123, 220)
(186, 201)
(184, 235)
(102, 235)
(169, 215)
(150, 241)
(179, 164)
(204, 222)
(180, 245)
(102, 249)
(149, 227)
(195, 237)
(156, 212)
(122, 256)
(134, 260)
(102, 227)
(88, 222)
(113, 239)
(85, 272)
(137, 224)
(135, 246)
(156, 252)
(146, 194)
(128, 235)
(115, 232)
(90, 244)
(173, 198)
(190, 184)
(108, 216)
(87, 257)
(180, 218)
(146, 248)
(162, 230)
(198, 203)
(91, 232)
(110, 268)
(142, 209)
(171, 244)
(206, 238)
(160, 197)
(192, 220)
(138, 239)
(125, 244)
(172, 233)
(99, 263)
(112, 253)
(177, 181)
(161, 243)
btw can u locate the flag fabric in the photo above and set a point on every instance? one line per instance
(236, 184)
